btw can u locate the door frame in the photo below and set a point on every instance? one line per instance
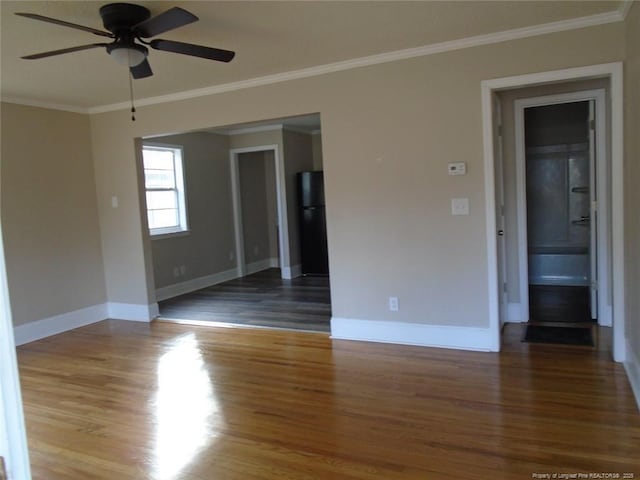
(614, 73)
(13, 437)
(281, 200)
(602, 182)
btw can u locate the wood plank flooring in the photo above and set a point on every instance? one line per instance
(163, 401)
(559, 303)
(262, 299)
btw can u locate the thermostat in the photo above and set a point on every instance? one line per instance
(457, 168)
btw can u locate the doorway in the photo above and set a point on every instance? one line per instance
(267, 158)
(559, 174)
(562, 178)
(609, 187)
(257, 209)
(559, 161)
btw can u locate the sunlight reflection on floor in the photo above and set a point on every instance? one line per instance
(184, 406)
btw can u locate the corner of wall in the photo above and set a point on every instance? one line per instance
(632, 367)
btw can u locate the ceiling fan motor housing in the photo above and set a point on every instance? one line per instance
(119, 18)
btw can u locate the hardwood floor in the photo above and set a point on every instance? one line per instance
(262, 299)
(559, 303)
(127, 400)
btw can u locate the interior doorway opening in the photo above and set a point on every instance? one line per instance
(509, 287)
(562, 160)
(259, 210)
(239, 259)
(559, 161)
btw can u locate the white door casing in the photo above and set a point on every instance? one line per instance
(614, 73)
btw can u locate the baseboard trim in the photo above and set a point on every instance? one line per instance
(460, 338)
(632, 367)
(292, 272)
(514, 313)
(259, 266)
(194, 284)
(132, 311)
(607, 320)
(38, 329)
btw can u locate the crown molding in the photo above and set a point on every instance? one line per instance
(257, 129)
(624, 8)
(478, 40)
(48, 105)
(468, 42)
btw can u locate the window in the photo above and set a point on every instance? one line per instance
(164, 186)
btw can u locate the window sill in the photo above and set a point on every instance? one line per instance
(164, 236)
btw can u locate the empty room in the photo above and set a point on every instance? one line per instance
(319, 240)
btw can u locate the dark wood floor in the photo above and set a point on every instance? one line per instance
(262, 299)
(559, 303)
(165, 401)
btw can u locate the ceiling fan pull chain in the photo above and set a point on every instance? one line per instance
(133, 108)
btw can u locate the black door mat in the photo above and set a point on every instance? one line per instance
(558, 335)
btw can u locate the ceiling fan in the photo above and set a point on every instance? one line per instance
(128, 25)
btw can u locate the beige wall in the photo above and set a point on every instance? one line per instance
(388, 132)
(256, 139)
(632, 176)
(252, 173)
(49, 213)
(205, 249)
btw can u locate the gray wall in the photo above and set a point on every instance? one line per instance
(297, 154)
(206, 248)
(272, 204)
(298, 157)
(256, 222)
(316, 145)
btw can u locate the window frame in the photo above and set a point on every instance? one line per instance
(178, 170)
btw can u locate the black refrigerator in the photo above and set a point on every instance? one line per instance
(312, 222)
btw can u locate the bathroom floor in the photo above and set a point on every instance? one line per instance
(561, 315)
(559, 303)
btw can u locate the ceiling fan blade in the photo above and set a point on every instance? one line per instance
(193, 50)
(172, 18)
(63, 50)
(141, 71)
(42, 18)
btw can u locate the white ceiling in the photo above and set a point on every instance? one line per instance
(268, 37)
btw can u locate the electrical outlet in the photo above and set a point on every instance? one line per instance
(393, 304)
(176, 272)
(183, 269)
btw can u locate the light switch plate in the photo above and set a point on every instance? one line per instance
(457, 168)
(459, 206)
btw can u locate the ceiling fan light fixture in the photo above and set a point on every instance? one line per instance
(128, 55)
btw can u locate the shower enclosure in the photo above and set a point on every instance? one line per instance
(559, 194)
(558, 216)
